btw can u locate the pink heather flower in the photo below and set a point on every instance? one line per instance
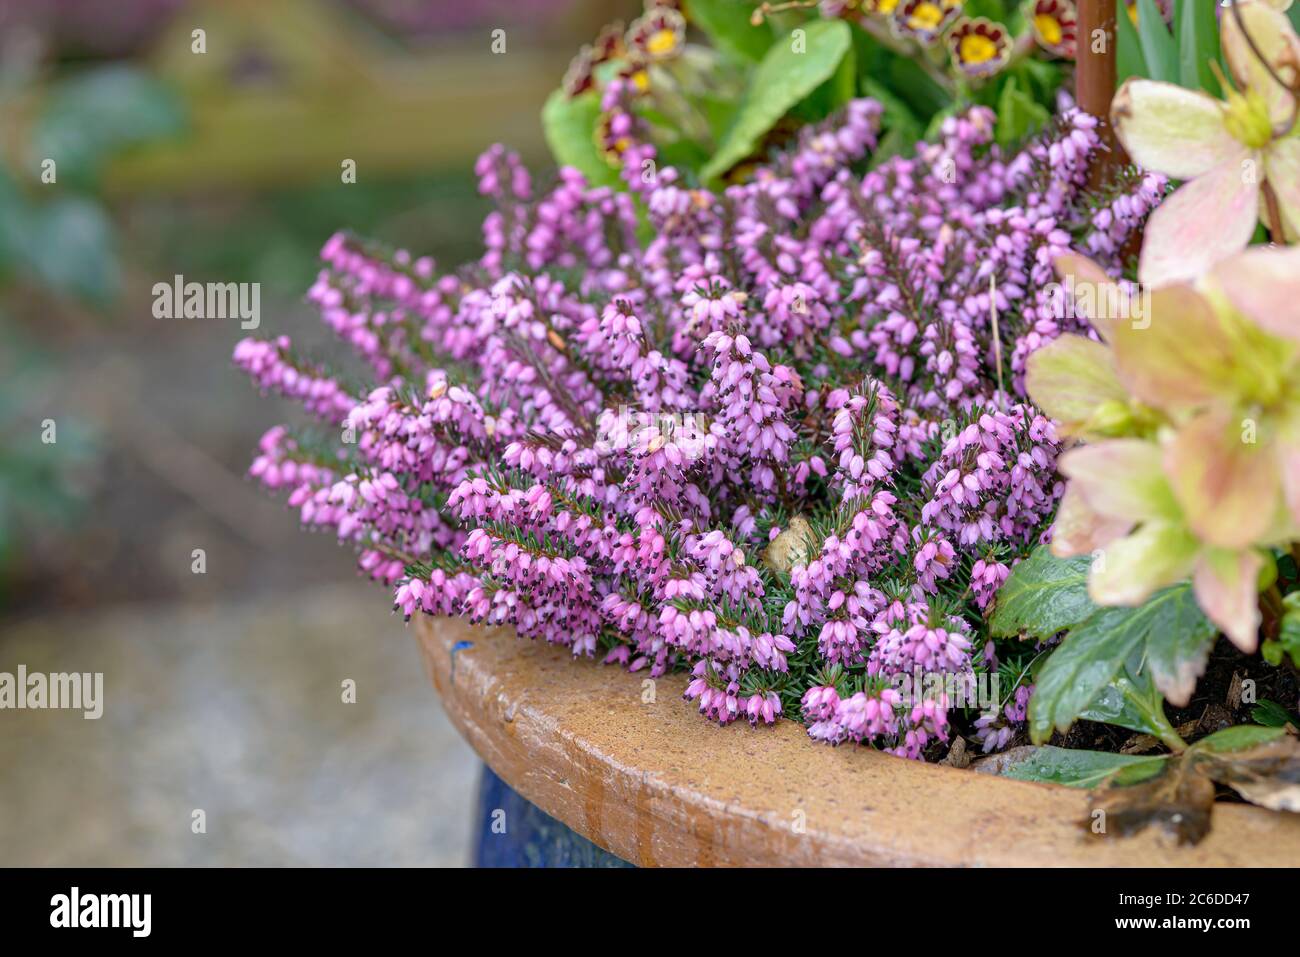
(599, 434)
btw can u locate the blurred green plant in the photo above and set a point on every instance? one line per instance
(44, 460)
(55, 231)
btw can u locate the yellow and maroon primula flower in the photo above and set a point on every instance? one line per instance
(659, 34)
(580, 76)
(1056, 26)
(1225, 151)
(613, 136)
(925, 20)
(979, 47)
(1193, 420)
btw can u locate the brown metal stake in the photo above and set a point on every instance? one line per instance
(1095, 78)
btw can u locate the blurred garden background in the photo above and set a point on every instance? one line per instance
(222, 689)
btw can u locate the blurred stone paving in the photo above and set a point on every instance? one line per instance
(235, 708)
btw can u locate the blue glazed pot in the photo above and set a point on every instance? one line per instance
(513, 832)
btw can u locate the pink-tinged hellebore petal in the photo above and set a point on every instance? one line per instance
(1094, 292)
(1227, 589)
(1225, 478)
(1070, 377)
(1272, 33)
(1172, 130)
(1121, 479)
(1282, 168)
(1079, 530)
(1207, 219)
(1288, 450)
(1181, 356)
(1264, 284)
(1130, 569)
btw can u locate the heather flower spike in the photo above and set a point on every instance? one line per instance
(1236, 156)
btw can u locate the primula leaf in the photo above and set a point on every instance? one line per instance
(728, 25)
(570, 128)
(1158, 45)
(783, 79)
(1092, 654)
(1044, 595)
(1074, 768)
(1198, 44)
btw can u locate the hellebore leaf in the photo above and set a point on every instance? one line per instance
(1073, 768)
(1090, 658)
(1261, 764)
(1043, 595)
(788, 73)
(1177, 798)
(1176, 657)
(1130, 701)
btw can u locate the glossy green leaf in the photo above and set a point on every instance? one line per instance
(1130, 701)
(69, 247)
(1198, 45)
(97, 114)
(727, 24)
(1159, 48)
(1130, 61)
(1239, 738)
(1177, 655)
(570, 128)
(791, 70)
(1044, 595)
(1092, 655)
(1073, 768)
(1019, 114)
(902, 128)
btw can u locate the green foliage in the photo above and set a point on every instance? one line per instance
(781, 80)
(1043, 596)
(1130, 60)
(1071, 767)
(569, 125)
(92, 116)
(1197, 30)
(1159, 49)
(727, 25)
(1116, 643)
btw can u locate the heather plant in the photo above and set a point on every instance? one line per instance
(775, 436)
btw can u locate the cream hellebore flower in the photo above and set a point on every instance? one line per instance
(1193, 420)
(1225, 151)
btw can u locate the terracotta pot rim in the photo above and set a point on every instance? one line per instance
(655, 784)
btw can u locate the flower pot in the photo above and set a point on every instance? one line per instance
(630, 766)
